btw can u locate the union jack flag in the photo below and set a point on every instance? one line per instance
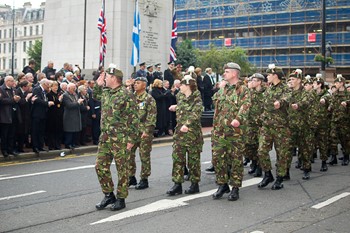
(101, 25)
(173, 37)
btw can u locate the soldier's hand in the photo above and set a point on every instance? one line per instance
(295, 106)
(129, 146)
(101, 79)
(343, 104)
(322, 101)
(144, 135)
(184, 129)
(172, 108)
(235, 123)
(277, 104)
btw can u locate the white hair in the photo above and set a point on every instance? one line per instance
(63, 85)
(68, 74)
(176, 81)
(71, 85)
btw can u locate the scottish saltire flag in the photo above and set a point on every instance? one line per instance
(101, 25)
(173, 38)
(135, 56)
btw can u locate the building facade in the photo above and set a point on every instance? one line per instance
(284, 32)
(27, 26)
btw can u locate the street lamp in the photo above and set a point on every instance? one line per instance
(323, 64)
(13, 40)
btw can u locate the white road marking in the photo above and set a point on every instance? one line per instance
(22, 195)
(206, 162)
(331, 200)
(4, 175)
(257, 232)
(166, 204)
(47, 172)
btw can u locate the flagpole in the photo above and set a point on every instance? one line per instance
(104, 16)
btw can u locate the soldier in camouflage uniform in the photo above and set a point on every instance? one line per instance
(320, 120)
(275, 129)
(188, 136)
(254, 122)
(340, 121)
(299, 122)
(119, 124)
(147, 112)
(231, 109)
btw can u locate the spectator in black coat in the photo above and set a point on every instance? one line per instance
(84, 112)
(49, 71)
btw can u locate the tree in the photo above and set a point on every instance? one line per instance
(216, 59)
(186, 54)
(34, 53)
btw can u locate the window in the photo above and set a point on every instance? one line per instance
(42, 28)
(4, 63)
(10, 33)
(30, 30)
(4, 49)
(10, 63)
(37, 30)
(16, 32)
(0, 49)
(25, 31)
(24, 46)
(5, 33)
(0, 34)
(30, 44)
(15, 65)
(24, 62)
(10, 47)
(15, 48)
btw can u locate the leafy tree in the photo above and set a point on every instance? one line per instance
(34, 53)
(186, 54)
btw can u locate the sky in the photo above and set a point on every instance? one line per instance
(19, 3)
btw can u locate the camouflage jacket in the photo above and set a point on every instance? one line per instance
(299, 118)
(256, 108)
(119, 118)
(276, 117)
(320, 115)
(189, 110)
(339, 112)
(147, 112)
(231, 102)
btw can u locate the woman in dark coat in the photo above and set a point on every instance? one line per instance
(163, 116)
(54, 123)
(84, 111)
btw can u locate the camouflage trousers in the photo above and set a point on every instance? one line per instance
(252, 142)
(145, 148)
(303, 139)
(322, 142)
(340, 132)
(280, 138)
(228, 156)
(105, 155)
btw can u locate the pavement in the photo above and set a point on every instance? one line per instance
(29, 154)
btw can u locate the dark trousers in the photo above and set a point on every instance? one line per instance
(69, 138)
(54, 140)
(96, 130)
(8, 132)
(38, 133)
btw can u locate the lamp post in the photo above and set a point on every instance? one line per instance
(323, 64)
(13, 41)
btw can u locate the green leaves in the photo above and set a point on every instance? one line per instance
(34, 53)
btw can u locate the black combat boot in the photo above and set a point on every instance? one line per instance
(306, 175)
(334, 160)
(194, 188)
(186, 173)
(108, 199)
(278, 184)
(246, 161)
(223, 188)
(345, 160)
(143, 184)
(268, 178)
(176, 189)
(118, 204)
(132, 180)
(234, 195)
(253, 167)
(324, 167)
(258, 171)
(287, 176)
(210, 169)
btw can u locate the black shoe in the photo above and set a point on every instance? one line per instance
(20, 151)
(108, 199)
(132, 180)
(223, 188)
(246, 161)
(14, 153)
(278, 184)
(324, 167)
(36, 150)
(298, 164)
(268, 178)
(118, 204)
(234, 195)
(210, 169)
(258, 172)
(5, 154)
(142, 185)
(287, 176)
(194, 188)
(334, 160)
(340, 158)
(175, 190)
(345, 160)
(306, 175)
(41, 149)
(253, 167)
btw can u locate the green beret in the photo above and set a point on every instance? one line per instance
(232, 65)
(112, 70)
(308, 80)
(296, 74)
(319, 78)
(258, 76)
(339, 78)
(143, 79)
(272, 69)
